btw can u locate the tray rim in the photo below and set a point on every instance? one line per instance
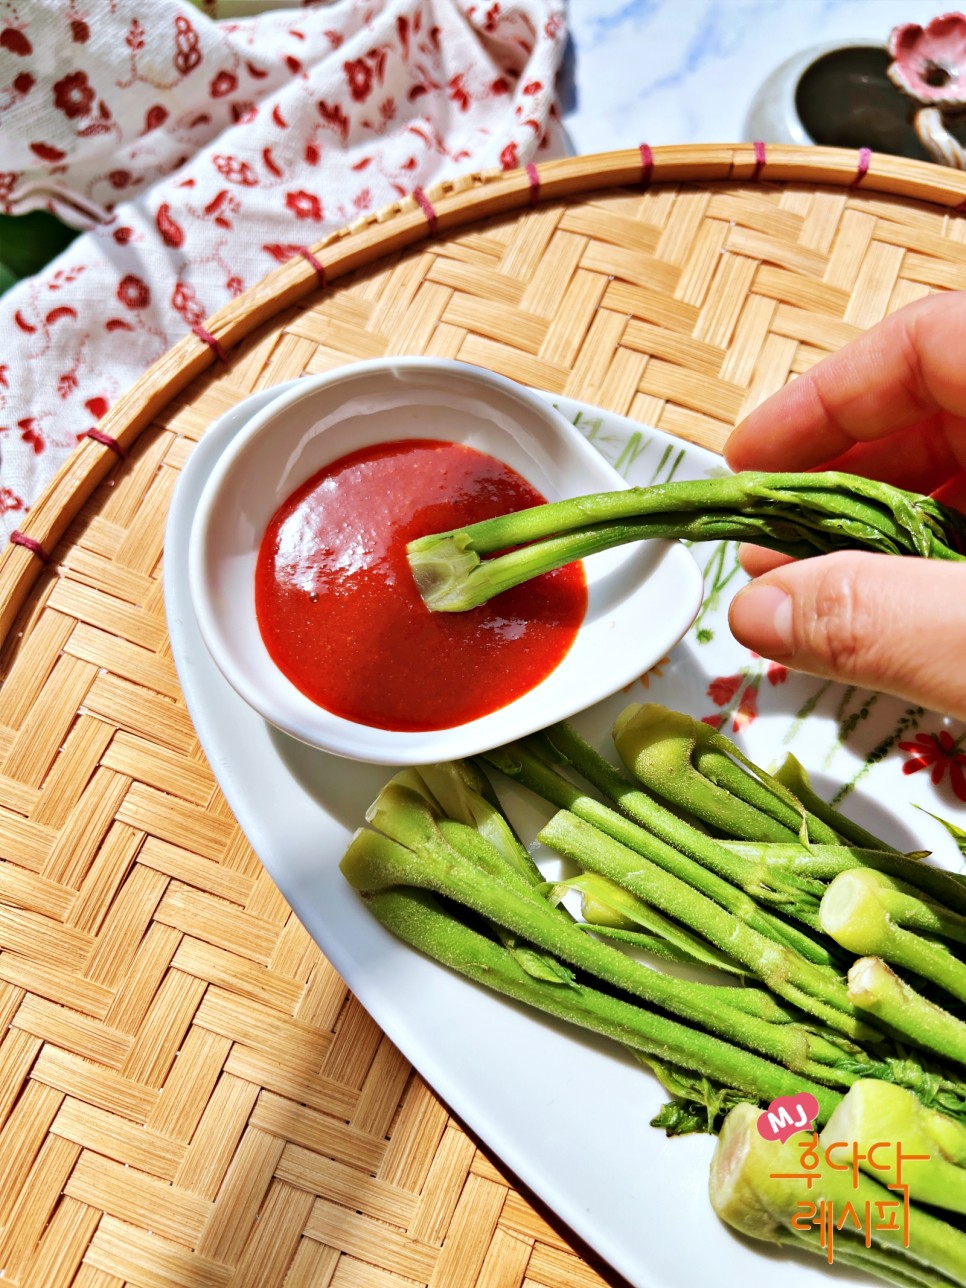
(423, 217)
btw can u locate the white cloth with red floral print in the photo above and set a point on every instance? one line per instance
(198, 152)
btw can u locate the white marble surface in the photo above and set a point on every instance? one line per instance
(686, 71)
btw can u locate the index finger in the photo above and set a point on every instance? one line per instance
(902, 371)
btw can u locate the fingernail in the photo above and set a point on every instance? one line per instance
(761, 618)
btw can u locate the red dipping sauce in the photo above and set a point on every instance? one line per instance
(340, 614)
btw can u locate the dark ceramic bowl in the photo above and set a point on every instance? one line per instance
(839, 96)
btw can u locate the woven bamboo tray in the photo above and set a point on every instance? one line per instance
(188, 1093)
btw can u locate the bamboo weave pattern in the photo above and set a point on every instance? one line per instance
(188, 1094)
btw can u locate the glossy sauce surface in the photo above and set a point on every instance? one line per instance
(340, 614)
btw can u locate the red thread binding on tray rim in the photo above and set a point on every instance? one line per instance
(18, 538)
(107, 441)
(316, 264)
(426, 207)
(865, 156)
(647, 165)
(533, 175)
(212, 342)
(760, 159)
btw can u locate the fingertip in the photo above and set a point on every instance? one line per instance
(889, 624)
(756, 560)
(761, 618)
(743, 447)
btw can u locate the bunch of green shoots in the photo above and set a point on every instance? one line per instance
(685, 852)
(795, 514)
(440, 866)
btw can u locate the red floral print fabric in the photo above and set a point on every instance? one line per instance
(198, 153)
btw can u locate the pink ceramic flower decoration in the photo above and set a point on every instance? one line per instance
(929, 63)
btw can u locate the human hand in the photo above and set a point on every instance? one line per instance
(892, 406)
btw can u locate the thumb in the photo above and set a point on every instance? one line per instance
(884, 622)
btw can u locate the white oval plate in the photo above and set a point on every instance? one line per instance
(641, 597)
(568, 1114)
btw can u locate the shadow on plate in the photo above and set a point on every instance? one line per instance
(343, 788)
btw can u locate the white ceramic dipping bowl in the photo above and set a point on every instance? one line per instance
(641, 597)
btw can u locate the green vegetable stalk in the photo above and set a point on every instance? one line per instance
(892, 1002)
(873, 915)
(409, 847)
(439, 857)
(673, 844)
(747, 1194)
(533, 762)
(776, 819)
(932, 1158)
(725, 792)
(791, 774)
(611, 911)
(688, 763)
(795, 514)
(418, 918)
(814, 989)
